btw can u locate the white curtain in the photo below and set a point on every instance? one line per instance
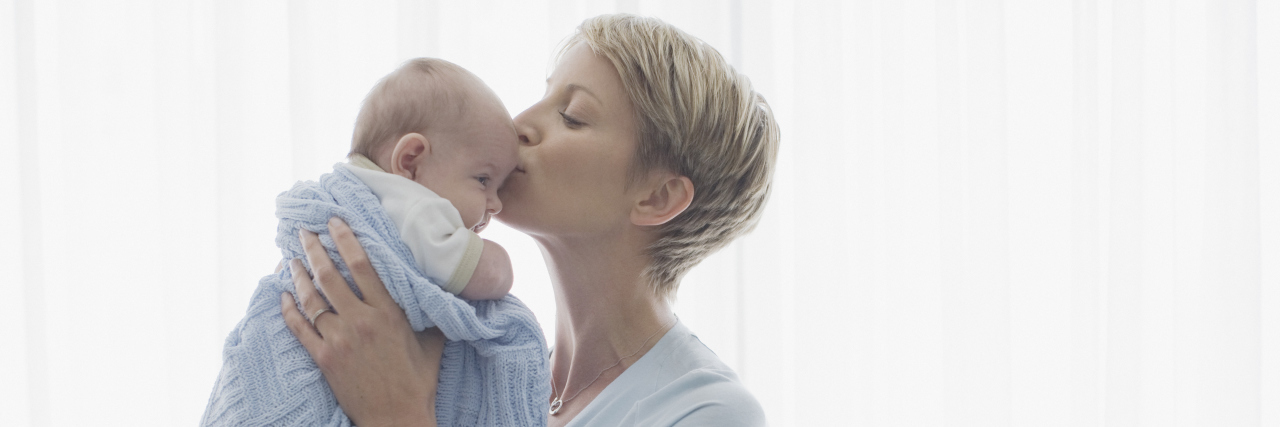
(1014, 212)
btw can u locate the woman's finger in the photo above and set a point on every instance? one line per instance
(312, 303)
(432, 342)
(299, 325)
(375, 293)
(327, 278)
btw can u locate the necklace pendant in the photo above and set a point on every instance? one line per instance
(555, 405)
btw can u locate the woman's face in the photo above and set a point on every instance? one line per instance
(576, 147)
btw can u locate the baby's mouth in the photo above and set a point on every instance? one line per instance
(480, 225)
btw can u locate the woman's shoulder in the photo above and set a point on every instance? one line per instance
(703, 397)
(679, 382)
(694, 387)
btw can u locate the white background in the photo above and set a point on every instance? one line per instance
(986, 213)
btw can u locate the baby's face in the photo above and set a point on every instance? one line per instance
(475, 162)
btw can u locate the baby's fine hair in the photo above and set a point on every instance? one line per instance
(424, 95)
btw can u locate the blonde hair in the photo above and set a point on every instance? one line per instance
(416, 97)
(697, 117)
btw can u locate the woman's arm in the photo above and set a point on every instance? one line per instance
(382, 373)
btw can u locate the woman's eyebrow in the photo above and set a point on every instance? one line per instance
(572, 87)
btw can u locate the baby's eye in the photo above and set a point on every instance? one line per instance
(484, 180)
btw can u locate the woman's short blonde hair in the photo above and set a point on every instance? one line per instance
(697, 117)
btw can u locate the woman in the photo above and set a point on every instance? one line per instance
(647, 154)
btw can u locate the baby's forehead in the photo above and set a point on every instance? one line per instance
(497, 149)
(496, 145)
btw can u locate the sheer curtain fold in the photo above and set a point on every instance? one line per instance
(985, 212)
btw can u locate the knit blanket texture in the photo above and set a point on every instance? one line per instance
(494, 371)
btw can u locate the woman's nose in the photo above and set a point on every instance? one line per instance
(528, 133)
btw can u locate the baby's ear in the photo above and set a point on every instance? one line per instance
(409, 154)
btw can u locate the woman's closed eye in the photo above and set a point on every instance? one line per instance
(570, 121)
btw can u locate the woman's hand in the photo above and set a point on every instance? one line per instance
(381, 371)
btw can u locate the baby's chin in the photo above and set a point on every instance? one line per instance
(480, 226)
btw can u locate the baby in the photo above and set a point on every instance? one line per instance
(434, 143)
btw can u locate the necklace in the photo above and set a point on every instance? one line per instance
(556, 403)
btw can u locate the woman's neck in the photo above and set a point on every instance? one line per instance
(604, 308)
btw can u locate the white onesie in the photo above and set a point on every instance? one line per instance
(445, 249)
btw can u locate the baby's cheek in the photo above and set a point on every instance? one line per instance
(474, 213)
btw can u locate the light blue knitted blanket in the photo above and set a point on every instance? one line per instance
(494, 371)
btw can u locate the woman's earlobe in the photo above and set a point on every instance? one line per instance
(665, 202)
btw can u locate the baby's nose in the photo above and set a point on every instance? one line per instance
(495, 205)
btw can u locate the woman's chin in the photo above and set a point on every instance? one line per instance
(512, 218)
(528, 222)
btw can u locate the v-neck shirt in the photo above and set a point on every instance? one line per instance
(679, 382)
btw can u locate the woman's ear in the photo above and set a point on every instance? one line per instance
(409, 154)
(669, 197)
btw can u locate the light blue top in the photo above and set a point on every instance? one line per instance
(494, 370)
(679, 382)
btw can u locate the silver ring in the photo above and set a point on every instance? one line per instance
(317, 315)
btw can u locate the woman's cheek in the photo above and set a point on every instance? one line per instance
(515, 194)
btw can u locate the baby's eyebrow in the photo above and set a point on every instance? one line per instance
(492, 167)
